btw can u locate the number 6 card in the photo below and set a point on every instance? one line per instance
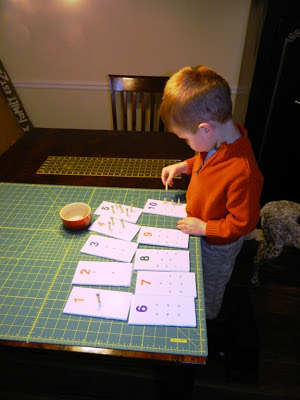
(162, 310)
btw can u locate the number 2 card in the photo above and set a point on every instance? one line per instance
(103, 273)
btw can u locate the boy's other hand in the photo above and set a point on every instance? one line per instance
(192, 226)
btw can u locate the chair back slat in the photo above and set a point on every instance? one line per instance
(140, 98)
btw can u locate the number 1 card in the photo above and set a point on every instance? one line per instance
(98, 303)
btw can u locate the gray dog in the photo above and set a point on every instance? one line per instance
(280, 223)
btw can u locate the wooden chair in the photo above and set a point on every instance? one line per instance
(139, 98)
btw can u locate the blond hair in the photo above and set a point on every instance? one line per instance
(194, 95)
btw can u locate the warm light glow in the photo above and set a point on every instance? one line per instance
(71, 2)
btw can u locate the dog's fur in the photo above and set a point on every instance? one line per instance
(280, 223)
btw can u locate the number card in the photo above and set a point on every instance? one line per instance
(103, 273)
(168, 208)
(163, 237)
(162, 310)
(166, 283)
(119, 250)
(98, 303)
(115, 228)
(162, 260)
(119, 211)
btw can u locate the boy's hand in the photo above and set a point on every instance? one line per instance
(168, 173)
(192, 226)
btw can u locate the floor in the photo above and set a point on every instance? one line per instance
(259, 343)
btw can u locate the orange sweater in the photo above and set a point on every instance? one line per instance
(225, 193)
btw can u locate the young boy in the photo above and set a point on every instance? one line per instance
(223, 197)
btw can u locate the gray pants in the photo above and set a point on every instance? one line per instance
(217, 264)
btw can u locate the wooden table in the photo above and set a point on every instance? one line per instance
(51, 368)
(21, 162)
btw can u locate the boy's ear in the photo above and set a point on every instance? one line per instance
(206, 128)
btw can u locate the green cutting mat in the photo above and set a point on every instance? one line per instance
(105, 166)
(38, 259)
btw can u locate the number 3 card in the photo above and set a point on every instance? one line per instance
(162, 310)
(119, 250)
(163, 237)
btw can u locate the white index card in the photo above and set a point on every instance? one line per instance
(163, 237)
(112, 305)
(162, 310)
(119, 211)
(119, 250)
(162, 260)
(166, 283)
(115, 228)
(103, 273)
(168, 208)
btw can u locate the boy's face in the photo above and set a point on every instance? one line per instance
(201, 141)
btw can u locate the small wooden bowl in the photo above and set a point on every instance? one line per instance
(76, 216)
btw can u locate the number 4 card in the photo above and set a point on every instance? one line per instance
(162, 310)
(98, 303)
